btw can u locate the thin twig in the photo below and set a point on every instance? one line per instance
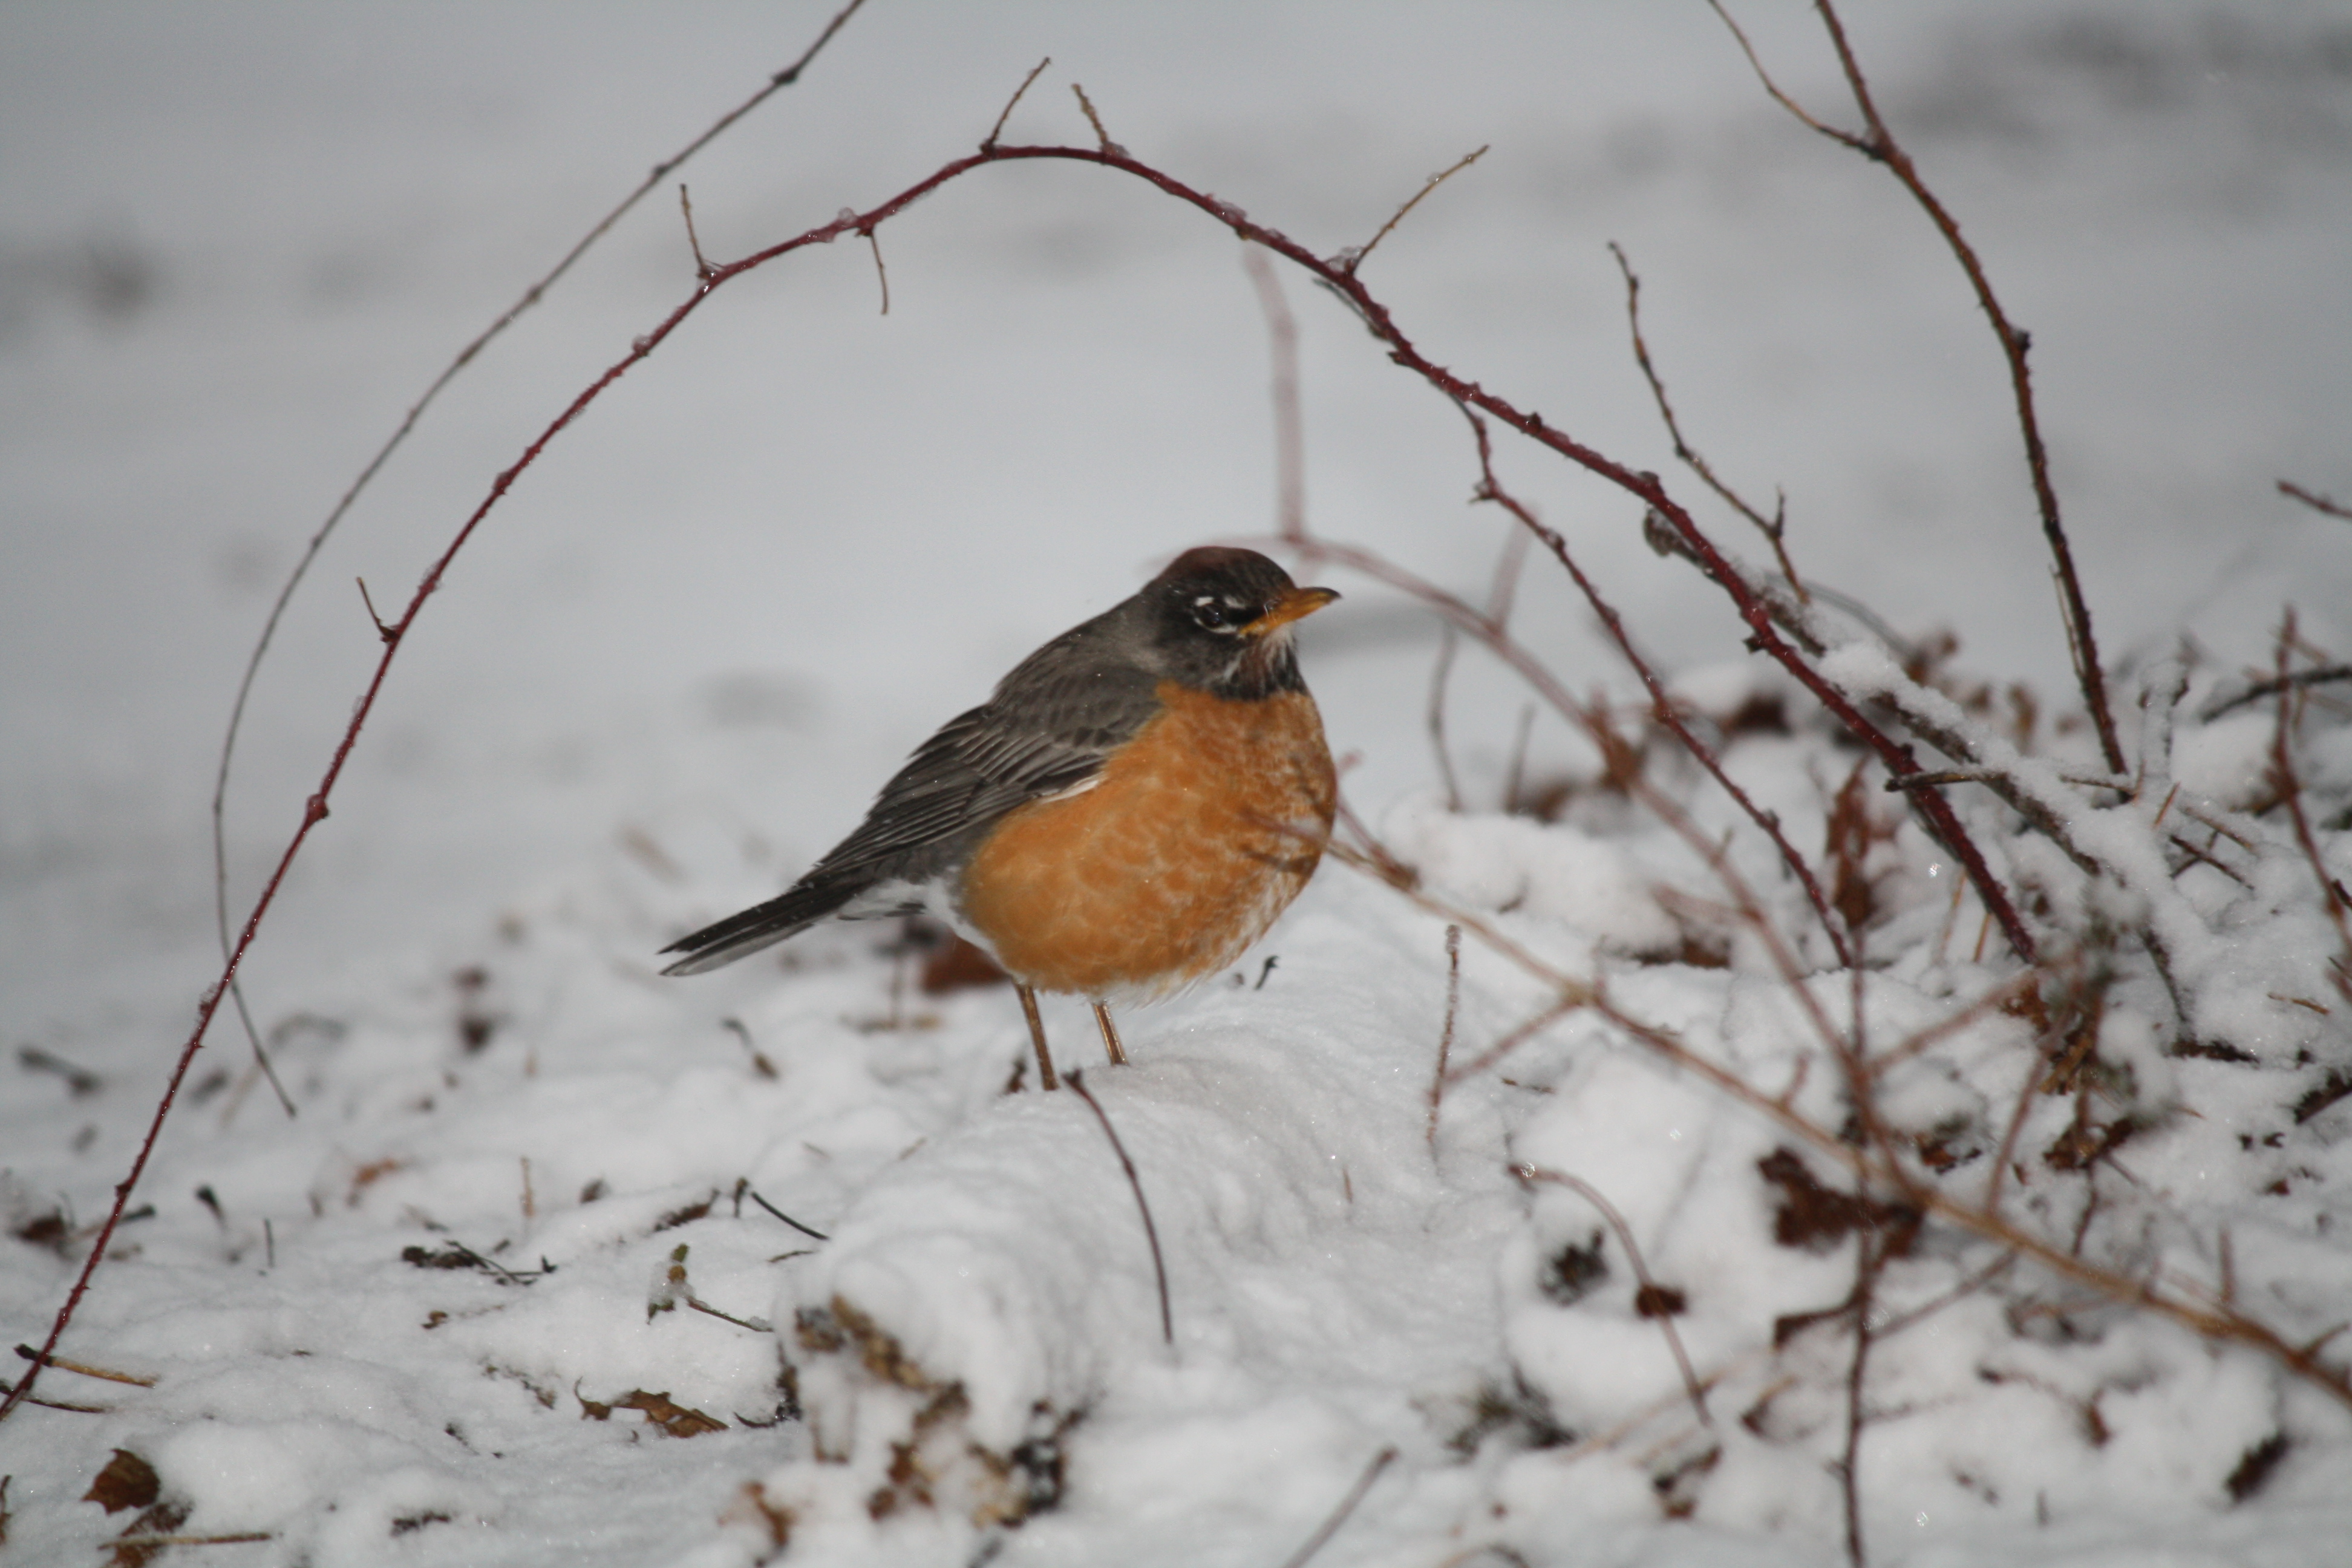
(1445, 1036)
(1651, 1289)
(28, 1353)
(2325, 675)
(1102, 137)
(1999, 997)
(1774, 528)
(1869, 1257)
(1289, 428)
(1994, 778)
(693, 240)
(1515, 771)
(1436, 716)
(754, 1195)
(1347, 1505)
(880, 272)
(1965, 1289)
(465, 356)
(1077, 1080)
(756, 1325)
(1504, 588)
(997, 130)
(1528, 1030)
(2290, 793)
(1357, 258)
(157, 1543)
(16, 1394)
(2316, 501)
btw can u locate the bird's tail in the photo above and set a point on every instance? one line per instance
(763, 925)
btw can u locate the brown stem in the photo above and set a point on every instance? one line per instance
(2316, 502)
(1774, 528)
(1445, 1036)
(1662, 707)
(1077, 1081)
(1650, 1290)
(1347, 1505)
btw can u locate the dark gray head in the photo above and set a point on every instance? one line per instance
(1219, 620)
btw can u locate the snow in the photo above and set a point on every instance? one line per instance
(512, 1286)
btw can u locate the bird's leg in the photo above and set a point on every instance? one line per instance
(1110, 1035)
(1038, 1037)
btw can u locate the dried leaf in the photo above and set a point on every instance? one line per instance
(1660, 1302)
(688, 1215)
(127, 1481)
(1568, 1275)
(2254, 1469)
(1816, 1218)
(676, 1420)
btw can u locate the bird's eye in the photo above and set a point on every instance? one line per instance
(1214, 614)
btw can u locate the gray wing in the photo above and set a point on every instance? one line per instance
(1051, 726)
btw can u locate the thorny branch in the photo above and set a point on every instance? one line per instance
(531, 296)
(1878, 144)
(1871, 1161)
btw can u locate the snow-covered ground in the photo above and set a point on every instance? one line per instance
(236, 243)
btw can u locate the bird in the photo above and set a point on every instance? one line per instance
(1134, 804)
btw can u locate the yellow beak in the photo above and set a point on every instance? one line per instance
(1296, 605)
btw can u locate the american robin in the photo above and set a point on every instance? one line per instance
(1133, 807)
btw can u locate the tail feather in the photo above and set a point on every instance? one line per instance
(763, 925)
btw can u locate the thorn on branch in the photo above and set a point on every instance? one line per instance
(390, 634)
(997, 130)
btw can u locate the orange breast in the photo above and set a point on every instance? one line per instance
(1194, 837)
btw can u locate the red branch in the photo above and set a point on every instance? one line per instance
(1341, 279)
(1878, 144)
(465, 356)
